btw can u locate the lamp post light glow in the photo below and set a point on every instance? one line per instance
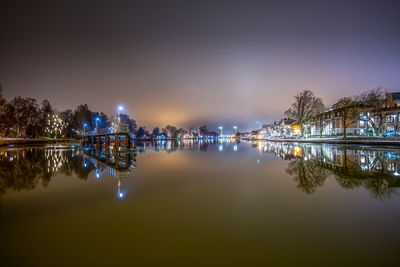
(84, 126)
(97, 125)
(119, 109)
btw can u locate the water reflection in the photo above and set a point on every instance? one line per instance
(172, 146)
(117, 164)
(375, 169)
(25, 168)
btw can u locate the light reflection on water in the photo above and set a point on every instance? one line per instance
(375, 169)
(250, 202)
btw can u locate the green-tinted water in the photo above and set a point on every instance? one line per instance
(200, 204)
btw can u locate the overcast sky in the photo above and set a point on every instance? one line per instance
(229, 63)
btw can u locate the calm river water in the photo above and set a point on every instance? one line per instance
(200, 204)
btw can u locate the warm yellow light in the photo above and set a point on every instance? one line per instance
(296, 129)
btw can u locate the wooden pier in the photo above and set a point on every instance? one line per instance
(107, 139)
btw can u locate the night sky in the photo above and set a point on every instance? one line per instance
(188, 63)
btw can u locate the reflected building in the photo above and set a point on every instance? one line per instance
(375, 169)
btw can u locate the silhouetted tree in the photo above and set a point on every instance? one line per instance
(45, 111)
(125, 119)
(141, 132)
(83, 115)
(68, 118)
(306, 106)
(203, 130)
(27, 113)
(7, 120)
(171, 131)
(156, 132)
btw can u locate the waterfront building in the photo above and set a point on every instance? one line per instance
(358, 121)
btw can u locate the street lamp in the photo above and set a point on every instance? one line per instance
(97, 126)
(84, 126)
(119, 109)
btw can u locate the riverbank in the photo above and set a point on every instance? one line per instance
(347, 141)
(32, 141)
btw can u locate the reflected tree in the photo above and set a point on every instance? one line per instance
(24, 169)
(308, 174)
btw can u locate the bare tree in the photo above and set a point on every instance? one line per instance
(376, 100)
(347, 109)
(306, 106)
(319, 109)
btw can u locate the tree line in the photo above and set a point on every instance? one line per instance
(171, 131)
(25, 117)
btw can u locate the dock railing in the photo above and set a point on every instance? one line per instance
(120, 128)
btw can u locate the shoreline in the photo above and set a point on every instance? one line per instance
(28, 141)
(349, 141)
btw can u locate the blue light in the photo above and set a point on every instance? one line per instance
(97, 119)
(258, 161)
(85, 125)
(121, 195)
(120, 108)
(97, 175)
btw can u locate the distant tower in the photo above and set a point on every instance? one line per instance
(234, 130)
(220, 130)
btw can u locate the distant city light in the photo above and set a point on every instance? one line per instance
(121, 195)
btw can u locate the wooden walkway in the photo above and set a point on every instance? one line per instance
(109, 138)
(113, 141)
